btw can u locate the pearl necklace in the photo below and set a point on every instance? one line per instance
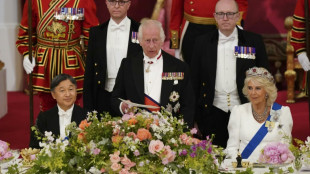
(260, 117)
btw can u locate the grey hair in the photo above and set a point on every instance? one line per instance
(151, 22)
(269, 87)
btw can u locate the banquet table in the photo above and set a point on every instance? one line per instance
(228, 169)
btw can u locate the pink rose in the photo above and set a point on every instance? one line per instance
(132, 135)
(124, 171)
(96, 151)
(183, 137)
(165, 161)
(284, 157)
(114, 158)
(116, 166)
(127, 162)
(3, 147)
(194, 131)
(7, 155)
(155, 146)
(196, 141)
(127, 117)
(167, 155)
(102, 170)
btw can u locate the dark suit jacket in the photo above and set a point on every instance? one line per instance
(204, 64)
(130, 85)
(49, 121)
(96, 64)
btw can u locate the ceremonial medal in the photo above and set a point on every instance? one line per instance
(270, 125)
(246, 52)
(134, 37)
(237, 51)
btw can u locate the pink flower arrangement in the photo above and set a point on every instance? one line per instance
(5, 152)
(276, 153)
(143, 142)
(125, 162)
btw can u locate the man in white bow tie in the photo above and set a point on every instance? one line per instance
(55, 120)
(109, 43)
(219, 63)
(154, 77)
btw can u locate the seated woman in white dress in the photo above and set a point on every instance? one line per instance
(261, 121)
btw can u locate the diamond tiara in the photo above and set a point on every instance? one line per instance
(260, 72)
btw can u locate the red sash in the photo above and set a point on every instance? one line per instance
(149, 101)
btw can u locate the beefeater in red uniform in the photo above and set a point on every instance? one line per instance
(191, 18)
(298, 40)
(56, 40)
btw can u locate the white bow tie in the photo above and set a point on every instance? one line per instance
(226, 39)
(63, 113)
(115, 27)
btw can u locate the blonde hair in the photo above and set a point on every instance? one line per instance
(268, 86)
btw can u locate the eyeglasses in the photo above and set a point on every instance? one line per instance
(229, 15)
(120, 3)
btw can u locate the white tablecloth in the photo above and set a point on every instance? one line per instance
(228, 167)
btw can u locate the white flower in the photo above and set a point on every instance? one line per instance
(94, 170)
(48, 152)
(173, 140)
(158, 136)
(42, 144)
(49, 136)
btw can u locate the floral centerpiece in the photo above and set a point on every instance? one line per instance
(140, 142)
(301, 151)
(5, 152)
(276, 153)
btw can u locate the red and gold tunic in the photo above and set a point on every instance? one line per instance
(56, 43)
(195, 11)
(298, 39)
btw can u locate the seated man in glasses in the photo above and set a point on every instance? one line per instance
(109, 43)
(219, 63)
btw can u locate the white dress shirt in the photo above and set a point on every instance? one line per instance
(116, 46)
(64, 120)
(153, 76)
(226, 93)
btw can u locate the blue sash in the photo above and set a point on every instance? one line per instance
(259, 136)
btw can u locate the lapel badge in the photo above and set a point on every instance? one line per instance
(175, 82)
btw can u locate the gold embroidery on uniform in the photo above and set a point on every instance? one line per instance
(56, 31)
(52, 2)
(71, 28)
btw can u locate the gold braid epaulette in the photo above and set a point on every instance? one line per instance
(174, 39)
